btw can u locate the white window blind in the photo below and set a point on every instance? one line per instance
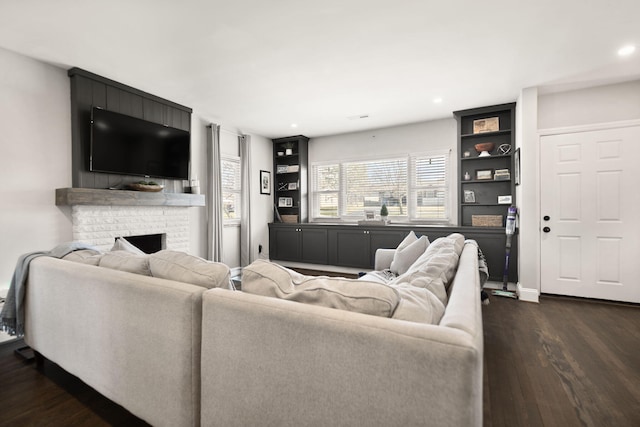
(413, 188)
(429, 187)
(327, 188)
(231, 188)
(370, 184)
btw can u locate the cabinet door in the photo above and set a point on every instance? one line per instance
(313, 245)
(352, 248)
(285, 244)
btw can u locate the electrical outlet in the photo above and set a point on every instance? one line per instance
(259, 249)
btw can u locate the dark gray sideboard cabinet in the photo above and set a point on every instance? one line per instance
(355, 246)
(292, 242)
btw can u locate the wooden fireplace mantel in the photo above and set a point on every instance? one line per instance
(101, 197)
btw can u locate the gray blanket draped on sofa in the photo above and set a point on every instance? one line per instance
(12, 316)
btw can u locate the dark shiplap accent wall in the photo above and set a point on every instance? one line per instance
(89, 90)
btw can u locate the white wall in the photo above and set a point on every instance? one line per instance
(35, 142)
(600, 104)
(198, 215)
(412, 138)
(528, 195)
(261, 204)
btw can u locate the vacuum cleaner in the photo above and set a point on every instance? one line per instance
(510, 230)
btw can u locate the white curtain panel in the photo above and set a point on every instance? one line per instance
(246, 256)
(214, 194)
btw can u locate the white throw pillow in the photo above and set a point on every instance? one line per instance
(408, 252)
(123, 244)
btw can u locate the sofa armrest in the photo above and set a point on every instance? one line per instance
(383, 260)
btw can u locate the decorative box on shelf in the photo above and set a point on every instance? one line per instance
(486, 220)
(502, 175)
(292, 219)
(288, 168)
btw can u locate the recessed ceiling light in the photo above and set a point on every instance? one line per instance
(294, 125)
(626, 50)
(437, 100)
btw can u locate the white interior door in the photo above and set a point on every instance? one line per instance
(590, 221)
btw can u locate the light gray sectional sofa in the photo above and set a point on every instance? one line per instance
(274, 361)
(178, 354)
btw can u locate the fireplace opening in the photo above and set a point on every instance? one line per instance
(148, 243)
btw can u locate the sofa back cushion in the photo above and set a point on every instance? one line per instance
(84, 256)
(272, 280)
(126, 261)
(182, 267)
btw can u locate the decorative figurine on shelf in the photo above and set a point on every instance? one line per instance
(467, 176)
(504, 149)
(467, 153)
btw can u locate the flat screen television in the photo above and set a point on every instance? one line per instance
(122, 144)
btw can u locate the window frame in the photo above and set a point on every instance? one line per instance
(412, 189)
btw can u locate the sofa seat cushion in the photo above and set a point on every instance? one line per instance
(434, 269)
(418, 305)
(407, 252)
(272, 280)
(182, 267)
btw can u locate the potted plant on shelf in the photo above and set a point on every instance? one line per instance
(384, 212)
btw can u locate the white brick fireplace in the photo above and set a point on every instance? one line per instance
(99, 216)
(100, 225)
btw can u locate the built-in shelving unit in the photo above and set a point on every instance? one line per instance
(290, 158)
(480, 188)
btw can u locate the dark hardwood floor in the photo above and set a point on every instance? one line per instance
(563, 362)
(46, 395)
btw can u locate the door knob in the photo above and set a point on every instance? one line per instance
(546, 218)
(546, 229)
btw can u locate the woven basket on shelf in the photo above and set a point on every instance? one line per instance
(486, 220)
(289, 218)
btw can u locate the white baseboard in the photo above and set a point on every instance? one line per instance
(524, 294)
(498, 285)
(528, 294)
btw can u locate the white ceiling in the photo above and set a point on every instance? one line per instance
(260, 66)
